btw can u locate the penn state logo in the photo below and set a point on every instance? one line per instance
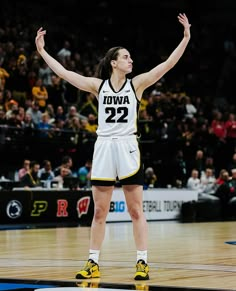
(14, 209)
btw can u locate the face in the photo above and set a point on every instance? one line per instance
(195, 174)
(124, 62)
(64, 171)
(209, 173)
(36, 168)
(225, 176)
(199, 154)
(48, 166)
(26, 164)
(69, 164)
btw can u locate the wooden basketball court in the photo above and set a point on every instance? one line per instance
(184, 255)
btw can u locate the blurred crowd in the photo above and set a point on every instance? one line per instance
(187, 120)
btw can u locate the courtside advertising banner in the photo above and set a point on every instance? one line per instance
(158, 204)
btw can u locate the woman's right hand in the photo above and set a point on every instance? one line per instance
(39, 40)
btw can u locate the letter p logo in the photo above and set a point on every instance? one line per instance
(39, 207)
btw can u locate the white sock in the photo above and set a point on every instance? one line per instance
(94, 255)
(142, 255)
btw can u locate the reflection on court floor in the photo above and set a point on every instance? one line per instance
(38, 285)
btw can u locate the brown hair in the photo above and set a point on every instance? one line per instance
(104, 68)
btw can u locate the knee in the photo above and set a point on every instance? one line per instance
(100, 214)
(135, 213)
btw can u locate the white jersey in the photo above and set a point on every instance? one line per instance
(117, 111)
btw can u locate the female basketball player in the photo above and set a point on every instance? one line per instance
(116, 152)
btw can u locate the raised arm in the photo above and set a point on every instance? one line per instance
(143, 81)
(84, 83)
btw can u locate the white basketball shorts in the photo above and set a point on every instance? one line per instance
(115, 157)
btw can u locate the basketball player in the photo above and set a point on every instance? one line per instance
(116, 152)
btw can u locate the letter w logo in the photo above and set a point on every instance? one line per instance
(83, 206)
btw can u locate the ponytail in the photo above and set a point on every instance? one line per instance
(104, 68)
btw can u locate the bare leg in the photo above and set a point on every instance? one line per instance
(102, 197)
(134, 200)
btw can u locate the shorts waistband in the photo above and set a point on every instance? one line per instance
(129, 137)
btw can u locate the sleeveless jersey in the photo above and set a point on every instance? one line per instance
(117, 111)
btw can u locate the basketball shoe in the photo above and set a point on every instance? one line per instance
(90, 270)
(142, 270)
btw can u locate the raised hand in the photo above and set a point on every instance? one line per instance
(183, 19)
(39, 39)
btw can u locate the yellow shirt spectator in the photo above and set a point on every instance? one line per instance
(40, 94)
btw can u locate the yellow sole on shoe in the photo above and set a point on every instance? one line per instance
(83, 275)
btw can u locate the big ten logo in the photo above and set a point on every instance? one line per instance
(117, 206)
(39, 207)
(83, 205)
(62, 205)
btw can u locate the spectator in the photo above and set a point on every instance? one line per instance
(45, 74)
(3, 76)
(56, 92)
(40, 94)
(191, 110)
(60, 114)
(193, 182)
(66, 163)
(226, 192)
(50, 111)
(150, 178)
(197, 163)
(14, 121)
(84, 174)
(12, 108)
(92, 123)
(25, 168)
(230, 127)
(9, 101)
(31, 179)
(27, 123)
(35, 113)
(44, 127)
(209, 163)
(89, 106)
(218, 126)
(208, 185)
(46, 174)
(58, 180)
(64, 54)
(223, 177)
(72, 112)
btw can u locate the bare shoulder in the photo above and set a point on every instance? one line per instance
(140, 84)
(95, 84)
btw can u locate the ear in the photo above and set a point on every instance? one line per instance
(113, 62)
